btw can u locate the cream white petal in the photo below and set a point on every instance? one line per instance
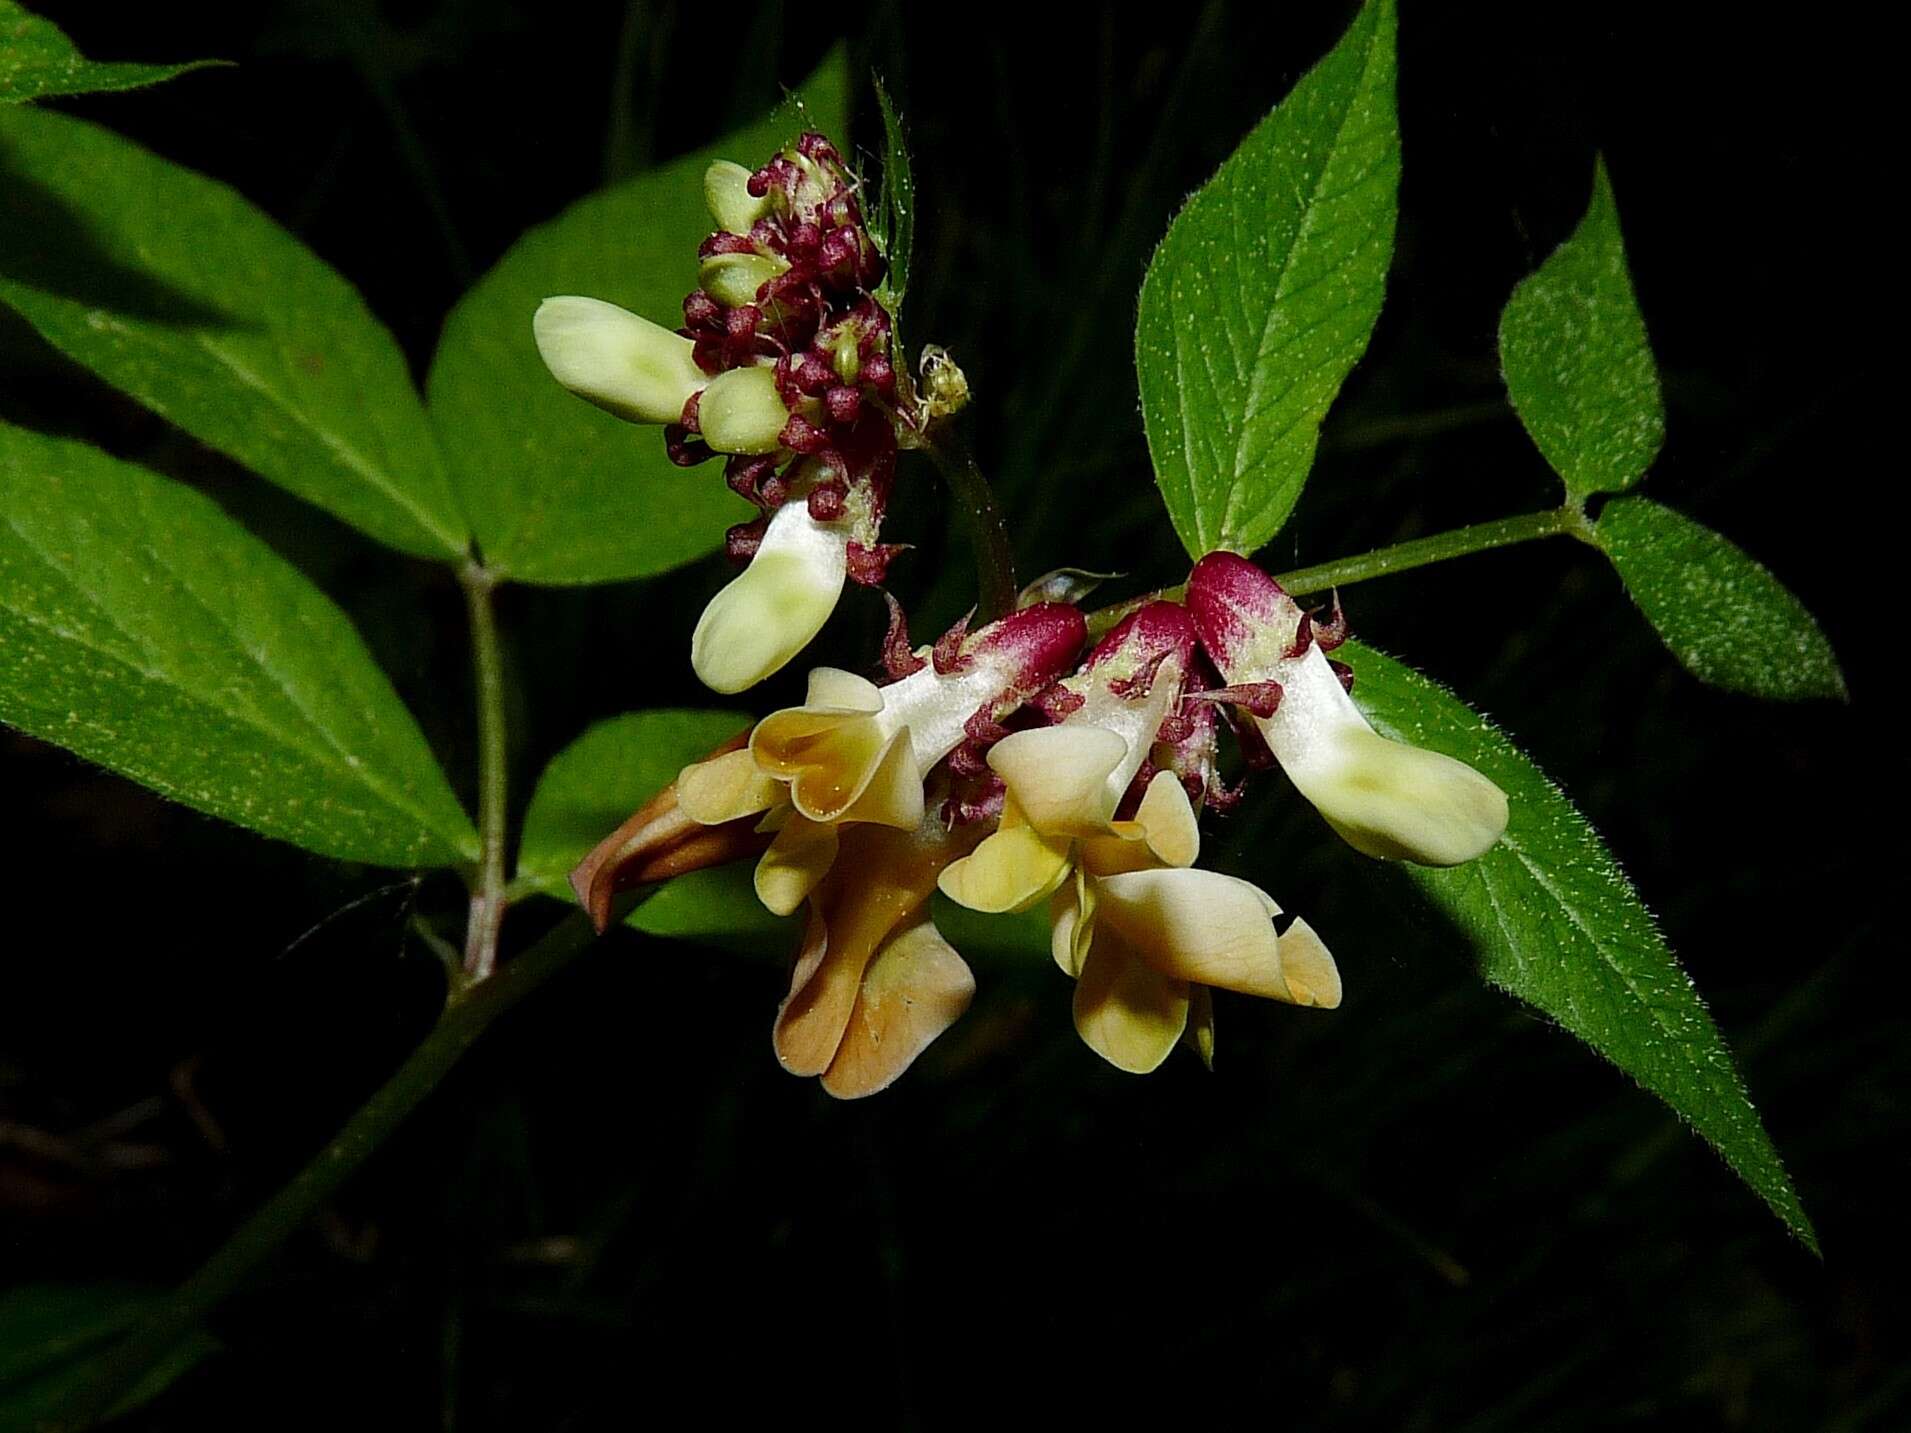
(915, 988)
(1196, 925)
(726, 788)
(795, 864)
(1059, 775)
(834, 689)
(1126, 1011)
(741, 412)
(1165, 822)
(1312, 976)
(1385, 798)
(625, 364)
(892, 796)
(1011, 870)
(775, 606)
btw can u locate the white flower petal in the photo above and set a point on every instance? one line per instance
(1059, 776)
(1165, 822)
(726, 788)
(795, 864)
(772, 609)
(915, 988)
(624, 364)
(1126, 1011)
(836, 690)
(1385, 798)
(1010, 871)
(1197, 925)
(1311, 973)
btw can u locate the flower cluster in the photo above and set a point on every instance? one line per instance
(1009, 767)
(782, 366)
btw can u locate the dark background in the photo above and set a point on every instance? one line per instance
(1425, 1211)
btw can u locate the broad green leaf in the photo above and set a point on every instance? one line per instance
(895, 217)
(1555, 922)
(144, 629)
(594, 784)
(1578, 367)
(171, 286)
(1262, 297)
(37, 61)
(1724, 616)
(560, 492)
(53, 1336)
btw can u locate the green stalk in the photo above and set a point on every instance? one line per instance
(996, 587)
(488, 887)
(467, 1015)
(1421, 551)
(1385, 561)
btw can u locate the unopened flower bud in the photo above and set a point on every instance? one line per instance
(660, 842)
(726, 190)
(772, 609)
(733, 279)
(625, 364)
(1385, 798)
(741, 411)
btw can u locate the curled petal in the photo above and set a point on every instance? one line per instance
(795, 864)
(811, 1020)
(842, 763)
(915, 988)
(1385, 798)
(726, 788)
(1071, 915)
(1061, 776)
(1201, 925)
(624, 364)
(1128, 1012)
(1011, 870)
(1163, 831)
(881, 881)
(771, 610)
(1311, 973)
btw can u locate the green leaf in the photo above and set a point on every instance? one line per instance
(144, 629)
(1556, 923)
(560, 492)
(895, 219)
(594, 784)
(171, 286)
(54, 1336)
(1578, 367)
(1724, 616)
(37, 61)
(1262, 297)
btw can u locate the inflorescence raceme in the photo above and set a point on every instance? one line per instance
(1008, 766)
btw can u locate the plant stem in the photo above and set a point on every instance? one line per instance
(1403, 556)
(488, 889)
(994, 556)
(467, 1015)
